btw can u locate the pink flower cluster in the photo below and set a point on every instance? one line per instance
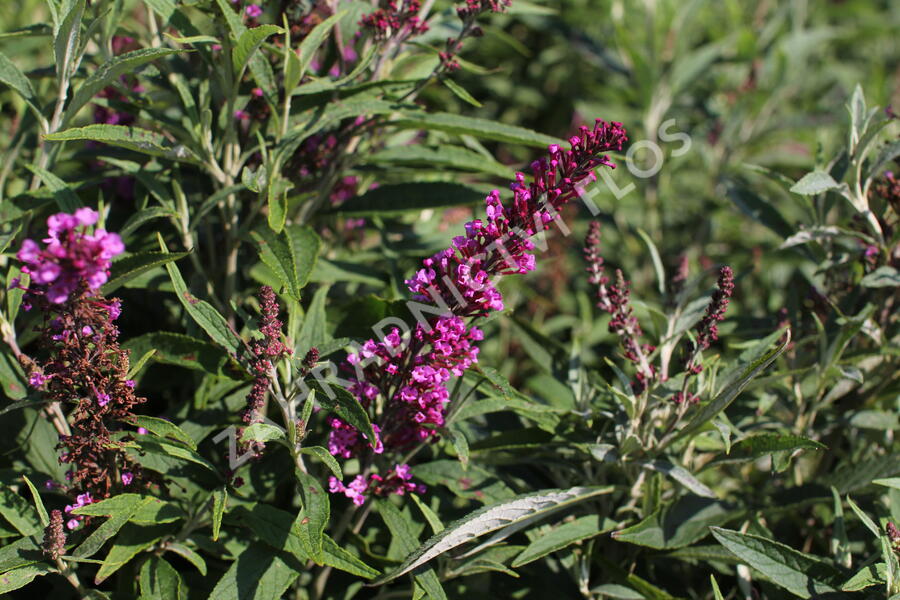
(460, 276)
(415, 376)
(72, 255)
(81, 500)
(398, 481)
(412, 376)
(398, 18)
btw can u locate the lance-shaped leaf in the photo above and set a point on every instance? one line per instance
(65, 197)
(14, 78)
(565, 535)
(248, 43)
(310, 44)
(346, 406)
(110, 71)
(731, 391)
(406, 197)
(207, 317)
(481, 128)
(126, 269)
(514, 515)
(802, 574)
(682, 476)
(131, 138)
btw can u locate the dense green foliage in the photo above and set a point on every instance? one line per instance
(601, 446)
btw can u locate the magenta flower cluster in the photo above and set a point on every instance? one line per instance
(71, 255)
(460, 276)
(412, 375)
(398, 481)
(81, 500)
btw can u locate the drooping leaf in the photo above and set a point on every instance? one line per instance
(882, 277)
(14, 78)
(207, 317)
(801, 574)
(677, 525)
(160, 581)
(258, 573)
(344, 405)
(164, 429)
(511, 514)
(404, 537)
(132, 540)
(316, 507)
(563, 536)
(184, 351)
(149, 510)
(730, 392)
(129, 267)
(22, 576)
(249, 42)
(405, 197)
(110, 72)
(131, 138)
(481, 128)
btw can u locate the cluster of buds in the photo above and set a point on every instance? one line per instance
(614, 298)
(708, 329)
(266, 351)
(468, 13)
(398, 19)
(54, 544)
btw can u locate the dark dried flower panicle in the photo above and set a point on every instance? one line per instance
(54, 536)
(476, 7)
(84, 366)
(615, 299)
(469, 13)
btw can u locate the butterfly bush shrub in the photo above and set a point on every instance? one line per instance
(283, 318)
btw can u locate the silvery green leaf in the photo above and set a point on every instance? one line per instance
(511, 514)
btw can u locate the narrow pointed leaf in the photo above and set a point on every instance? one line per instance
(523, 509)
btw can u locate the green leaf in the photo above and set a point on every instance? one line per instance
(815, 182)
(681, 475)
(403, 536)
(335, 556)
(132, 540)
(150, 510)
(184, 351)
(117, 519)
(131, 138)
(18, 512)
(109, 72)
(677, 525)
(164, 429)
(346, 406)
(276, 251)
(317, 510)
(755, 446)
(38, 503)
(510, 515)
(881, 277)
(434, 521)
(392, 199)
(248, 43)
(263, 432)
(14, 78)
(258, 573)
(454, 157)
(869, 523)
(278, 528)
(480, 128)
(160, 447)
(142, 216)
(220, 503)
(312, 332)
(259, 66)
(717, 594)
(277, 202)
(207, 317)
(802, 574)
(160, 581)
(306, 246)
(563, 536)
(22, 576)
(326, 457)
(867, 576)
(67, 200)
(461, 92)
(66, 41)
(748, 372)
(189, 555)
(311, 43)
(129, 267)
